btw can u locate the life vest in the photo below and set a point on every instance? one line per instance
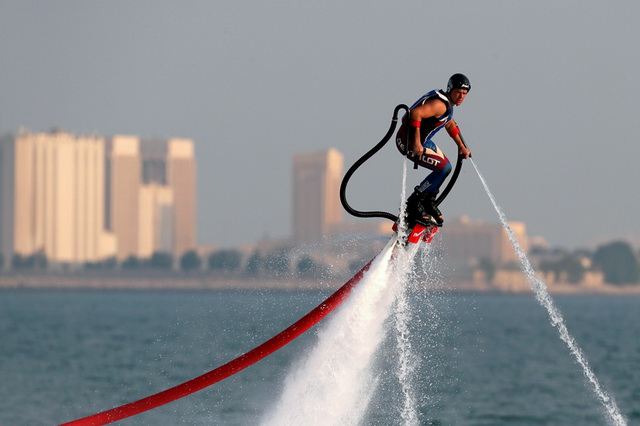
(431, 125)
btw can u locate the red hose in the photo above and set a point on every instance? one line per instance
(228, 369)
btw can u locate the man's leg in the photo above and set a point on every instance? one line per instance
(422, 202)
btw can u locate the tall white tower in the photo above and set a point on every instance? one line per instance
(316, 194)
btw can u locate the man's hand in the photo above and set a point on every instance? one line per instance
(418, 149)
(464, 151)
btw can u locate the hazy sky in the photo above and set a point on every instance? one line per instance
(551, 118)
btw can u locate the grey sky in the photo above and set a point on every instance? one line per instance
(551, 118)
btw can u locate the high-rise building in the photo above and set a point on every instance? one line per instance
(171, 163)
(52, 197)
(156, 220)
(316, 194)
(152, 195)
(82, 199)
(123, 193)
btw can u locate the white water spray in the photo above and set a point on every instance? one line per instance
(334, 383)
(543, 297)
(408, 361)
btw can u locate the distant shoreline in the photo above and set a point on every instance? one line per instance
(170, 282)
(206, 282)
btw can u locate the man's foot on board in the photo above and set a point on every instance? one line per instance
(429, 208)
(421, 206)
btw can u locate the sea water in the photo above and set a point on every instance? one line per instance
(477, 359)
(401, 350)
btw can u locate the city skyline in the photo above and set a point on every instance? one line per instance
(123, 196)
(78, 199)
(315, 183)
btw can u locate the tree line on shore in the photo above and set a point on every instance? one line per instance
(617, 261)
(277, 263)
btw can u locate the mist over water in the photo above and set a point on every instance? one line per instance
(543, 297)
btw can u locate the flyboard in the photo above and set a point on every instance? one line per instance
(421, 231)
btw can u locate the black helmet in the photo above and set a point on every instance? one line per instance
(458, 81)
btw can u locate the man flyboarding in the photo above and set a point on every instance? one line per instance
(429, 114)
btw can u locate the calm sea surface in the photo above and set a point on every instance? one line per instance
(485, 359)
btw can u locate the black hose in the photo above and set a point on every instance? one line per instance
(454, 176)
(365, 157)
(371, 153)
